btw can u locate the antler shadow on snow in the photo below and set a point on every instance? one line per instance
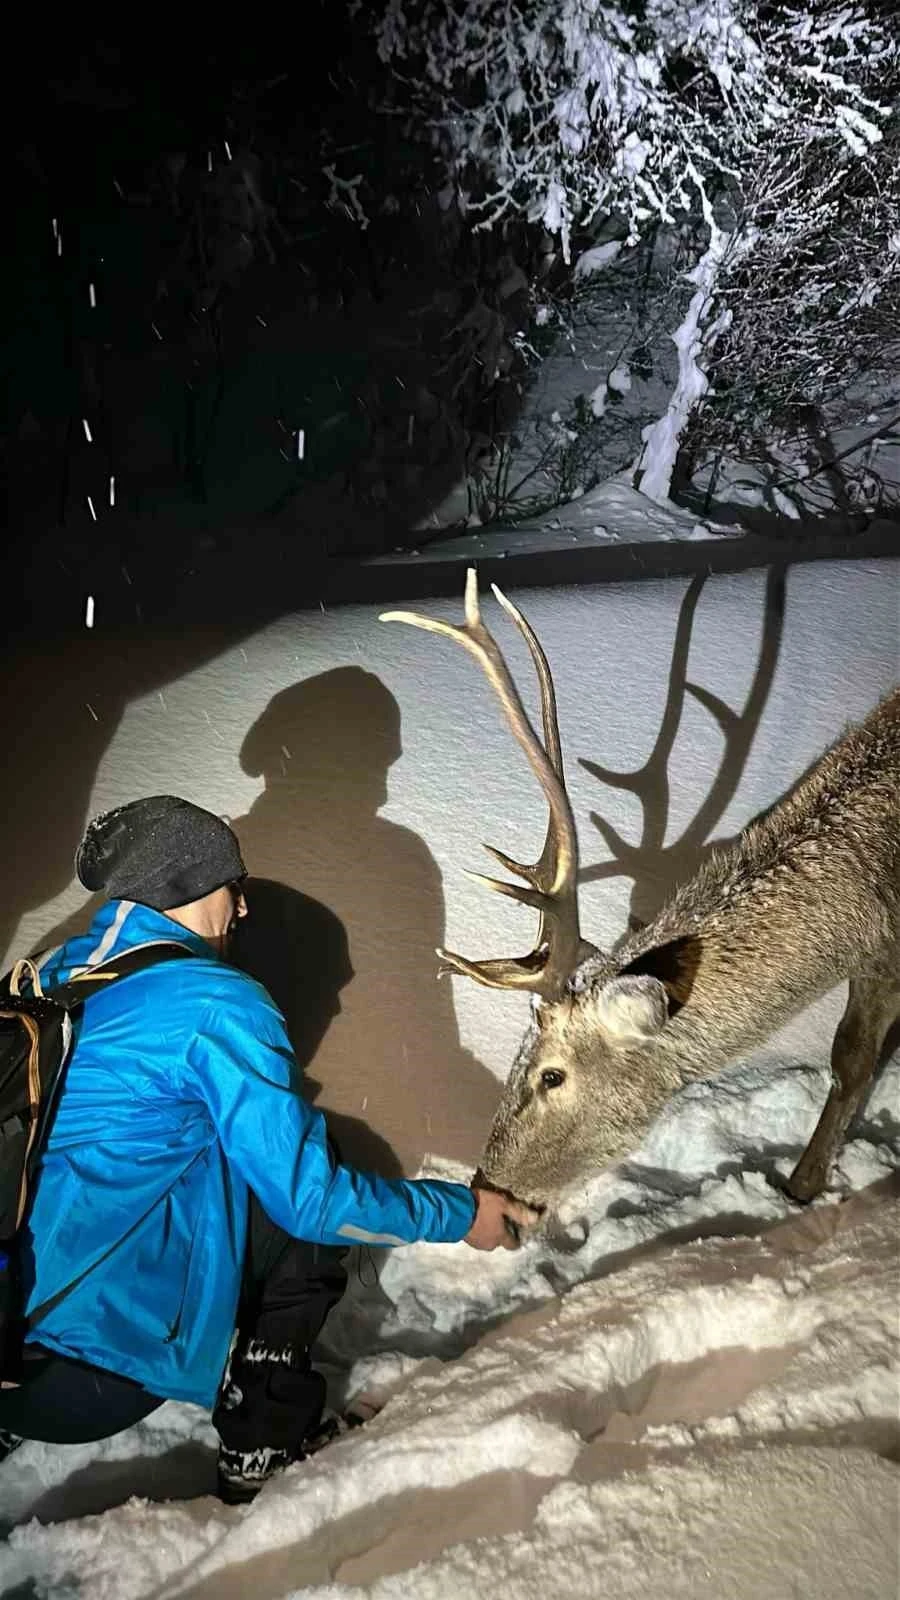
(654, 866)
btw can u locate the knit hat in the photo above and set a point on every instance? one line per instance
(161, 852)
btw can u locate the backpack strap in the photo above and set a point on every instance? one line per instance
(89, 981)
(26, 968)
(93, 979)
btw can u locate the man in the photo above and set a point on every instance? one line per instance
(186, 1191)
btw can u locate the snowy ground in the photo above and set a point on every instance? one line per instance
(685, 1385)
(612, 513)
(625, 1407)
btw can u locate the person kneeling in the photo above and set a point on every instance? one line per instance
(189, 1216)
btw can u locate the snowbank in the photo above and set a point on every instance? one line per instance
(612, 513)
(608, 1411)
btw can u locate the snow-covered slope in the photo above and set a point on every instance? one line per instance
(637, 1403)
(684, 1385)
(715, 1419)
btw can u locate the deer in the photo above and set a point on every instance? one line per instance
(807, 897)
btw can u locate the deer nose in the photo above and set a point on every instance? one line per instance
(480, 1181)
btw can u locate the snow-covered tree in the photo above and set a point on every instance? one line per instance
(753, 119)
(816, 301)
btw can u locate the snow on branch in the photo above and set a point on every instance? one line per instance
(751, 119)
(695, 333)
(563, 110)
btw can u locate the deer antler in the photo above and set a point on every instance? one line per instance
(552, 879)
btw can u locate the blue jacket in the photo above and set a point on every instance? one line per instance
(180, 1092)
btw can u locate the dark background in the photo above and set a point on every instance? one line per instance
(239, 300)
(236, 303)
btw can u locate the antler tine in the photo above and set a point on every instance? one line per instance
(545, 679)
(547, 862)
(513, 891)
(506, 972)
(553, 878)
(521, 870)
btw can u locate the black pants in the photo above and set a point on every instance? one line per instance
(273, 1397)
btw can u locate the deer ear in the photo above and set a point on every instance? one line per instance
(675, 964)
(633, 1007)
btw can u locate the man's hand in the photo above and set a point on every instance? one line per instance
(493, 1214)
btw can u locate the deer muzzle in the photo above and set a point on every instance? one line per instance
(481, 1181)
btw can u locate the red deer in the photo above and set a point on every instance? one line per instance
(807, 897)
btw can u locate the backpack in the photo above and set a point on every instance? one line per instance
(35, 1042)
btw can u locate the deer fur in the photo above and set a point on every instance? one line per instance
(806, 898)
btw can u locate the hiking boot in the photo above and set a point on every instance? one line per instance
(242, 1473)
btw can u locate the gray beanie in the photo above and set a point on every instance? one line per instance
(161, 852)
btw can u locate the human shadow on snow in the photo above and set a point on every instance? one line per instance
(392, 1061)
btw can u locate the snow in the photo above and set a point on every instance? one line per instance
(691, 338)
(685, 1423)
(684, 1384)
(588, 413)
(594, 260)
(613, 512)
(620, 378)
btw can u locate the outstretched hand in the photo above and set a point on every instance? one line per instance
(494, 1213)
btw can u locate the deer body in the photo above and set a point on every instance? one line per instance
(807, 897)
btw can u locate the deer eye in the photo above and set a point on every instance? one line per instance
(551, 1079)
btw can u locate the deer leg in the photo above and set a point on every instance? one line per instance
(872, 1006)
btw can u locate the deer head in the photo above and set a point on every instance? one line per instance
(578, 1090)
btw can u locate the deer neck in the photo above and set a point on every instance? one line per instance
(729, 990)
